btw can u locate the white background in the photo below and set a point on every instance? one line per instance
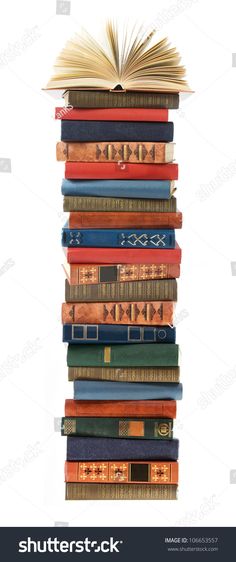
(33, 373)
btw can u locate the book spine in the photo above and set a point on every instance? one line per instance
(134, 374)
(148, 355)
(158, 153)
(107, 390)
(125, 220)
(143, 313)
(119, 408)
(99, 333)
(118, 427)
(117, 238)
(105, 448)
(122, 472)
(110, 131)
(92, 99)
(78, 491)
(162, 289)
(137, 189)
(124, 255)
(92, 274)
(112, 170)
(108, 204)
(122, 114)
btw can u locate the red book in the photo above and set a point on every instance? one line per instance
(124, 220)
(114, 114)
(119, 408)
(123, 255)
(120, 170)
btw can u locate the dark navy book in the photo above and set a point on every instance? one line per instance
(118, 238)
(107, 448)
(106, 334)
(93, 131)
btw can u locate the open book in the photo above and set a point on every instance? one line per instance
(128, 61)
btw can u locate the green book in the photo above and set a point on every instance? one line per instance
(132, 355)
(146, 428)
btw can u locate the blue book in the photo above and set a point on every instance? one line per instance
(106, 334)
(109, 390)
(92, 131)
(118, 238)
(133, 189)
(107, 448)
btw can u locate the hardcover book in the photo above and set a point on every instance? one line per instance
(121, 408)
(147, 355)
(116, 114)
(91, 274)
(81, 491)
(162, 289)
(146, 428)
(119, 205)
(114, 170)
(129, 374)
(102, 333)
(108, 390)
(158, 153)
(124, 255)
(117, 99)
(124, 220)
(145, 313)
(122, 472)
(137, 189)
(117, 238)
(105, 448)
(95, 131)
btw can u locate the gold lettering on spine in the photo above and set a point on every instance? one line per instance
(107, 354)
(125, 152)
(140, 152)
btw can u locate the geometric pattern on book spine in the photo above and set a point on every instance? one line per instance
(123, 472)
(92, 491)
(160, 313)
(118, 427)
(93, 274)
(105, 152)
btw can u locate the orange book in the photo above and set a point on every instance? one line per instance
(154, 313)
(90, 274)
(125, 472)
(119, 408)
(136, 152)
(124, 220)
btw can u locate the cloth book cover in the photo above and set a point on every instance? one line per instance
(140, 189)
(124, 255)
(149, 354)
(106, 114)
(146, 428)
(121, 408)
(109, 390)
(122, 471)
(105, 448)
(116, 170)
(86, 131)
(102, 333)
(118, 238)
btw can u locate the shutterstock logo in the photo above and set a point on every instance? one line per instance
(54, 544)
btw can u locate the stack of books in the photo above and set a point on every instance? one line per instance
(121, 289)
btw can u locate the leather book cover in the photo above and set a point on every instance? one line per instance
(151, 290)
(111, 131)
(119, 355)
(81, 491)
(129, 99)
(119, 408)
(146, 152)
(107, 334)
(124, 220)
(129, 374)
(116, 114)
(118, 205)
(87, 274)
(122, 472)
(114, 170)
(124, 255)
(153, 313)
(109, 390)
(146, 428)
(106, 448)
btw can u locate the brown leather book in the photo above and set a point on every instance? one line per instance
(161, 290)
(119, 408)
(107, 204)
(90, 274)
(81, 491)
(124, 472)
(125, 220)
(148, 152)
(144, 313)
(128, 374)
